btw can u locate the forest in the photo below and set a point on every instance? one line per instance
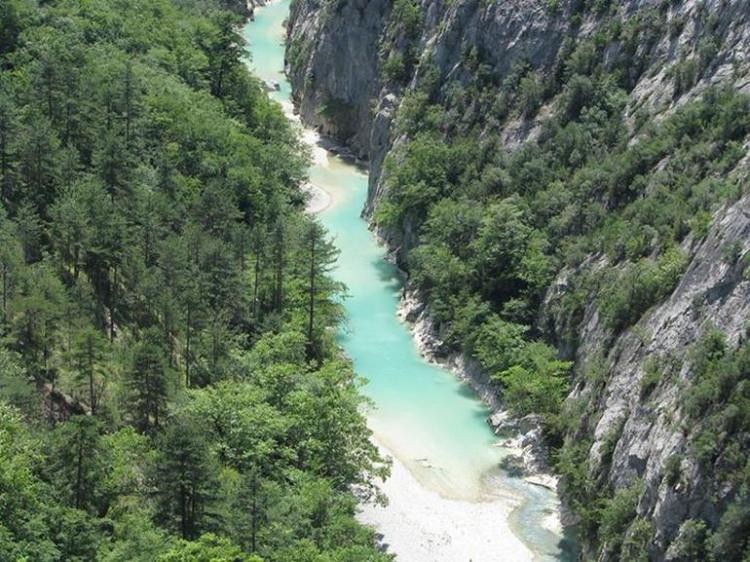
(170, 386)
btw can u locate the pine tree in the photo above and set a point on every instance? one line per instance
(185, 480)
(76, 462)
(11, 263)
(148, 382)
(88, 352)
(8, 129)
(320, 256)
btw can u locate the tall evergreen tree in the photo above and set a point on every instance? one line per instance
(185, 482)
(148, 381)
(77, 463)
(88, 353)
(319, 256)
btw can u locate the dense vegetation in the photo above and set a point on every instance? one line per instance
(169, 384)
(600, 195)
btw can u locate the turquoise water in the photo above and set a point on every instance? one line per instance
(422, 414)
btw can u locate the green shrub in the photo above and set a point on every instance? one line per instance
(572, 463)
(616, 516)
(530, 94)
(690, 543)
(639, 535)
(407, 16)
(394, 68)
(628, 295)
(609, 443)
(731, 541)
(651, 377)
(672, 469)
(538, 383)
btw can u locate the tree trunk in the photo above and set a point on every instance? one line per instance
(311, 311)
(183, 512)
(4, 164)
(187, 346)
(112, 304)
(255, 285)
(79, 473)
(5, 291)
(90, 359)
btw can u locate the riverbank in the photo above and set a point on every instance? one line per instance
(529, 456)
(319, 199)
(422, 526)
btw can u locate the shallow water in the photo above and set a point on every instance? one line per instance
(422, 414)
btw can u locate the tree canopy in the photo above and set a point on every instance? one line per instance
(169, 389)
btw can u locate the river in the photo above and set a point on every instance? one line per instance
(448, 499)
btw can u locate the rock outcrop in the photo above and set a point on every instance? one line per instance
(649, 430)
(332, 63)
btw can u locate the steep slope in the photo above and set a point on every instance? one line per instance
(607, 145)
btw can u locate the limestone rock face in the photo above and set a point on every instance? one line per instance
(336, 56)
(332, 63)
(651, 429)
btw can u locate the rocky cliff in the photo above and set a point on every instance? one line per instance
(357, 68)
(639, 430)
(332, 54)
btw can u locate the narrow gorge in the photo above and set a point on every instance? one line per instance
(448, 499)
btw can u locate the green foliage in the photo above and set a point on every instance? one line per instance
(580, 185)
(15, 386)
(616, 515)
(532, 378)
(651, 377)
(619, 203)
(690, 543)
(78, 464)
(416, 114)
(730, 541)
(538, 384)
(609, 442)
(672, 469)
(208, 548)
(148, 382)
(530, 94)
(717, 403)
(572, 463)
(639, 535)
(498, 344)
(420, 183)
(185, 481)
(627, 296)
(408, 17)
(394, 68)
(166, 306)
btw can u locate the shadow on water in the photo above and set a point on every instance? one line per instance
(389, 274)
(527, 520)
(569, 551)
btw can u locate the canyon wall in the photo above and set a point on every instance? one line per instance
(354, 63)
